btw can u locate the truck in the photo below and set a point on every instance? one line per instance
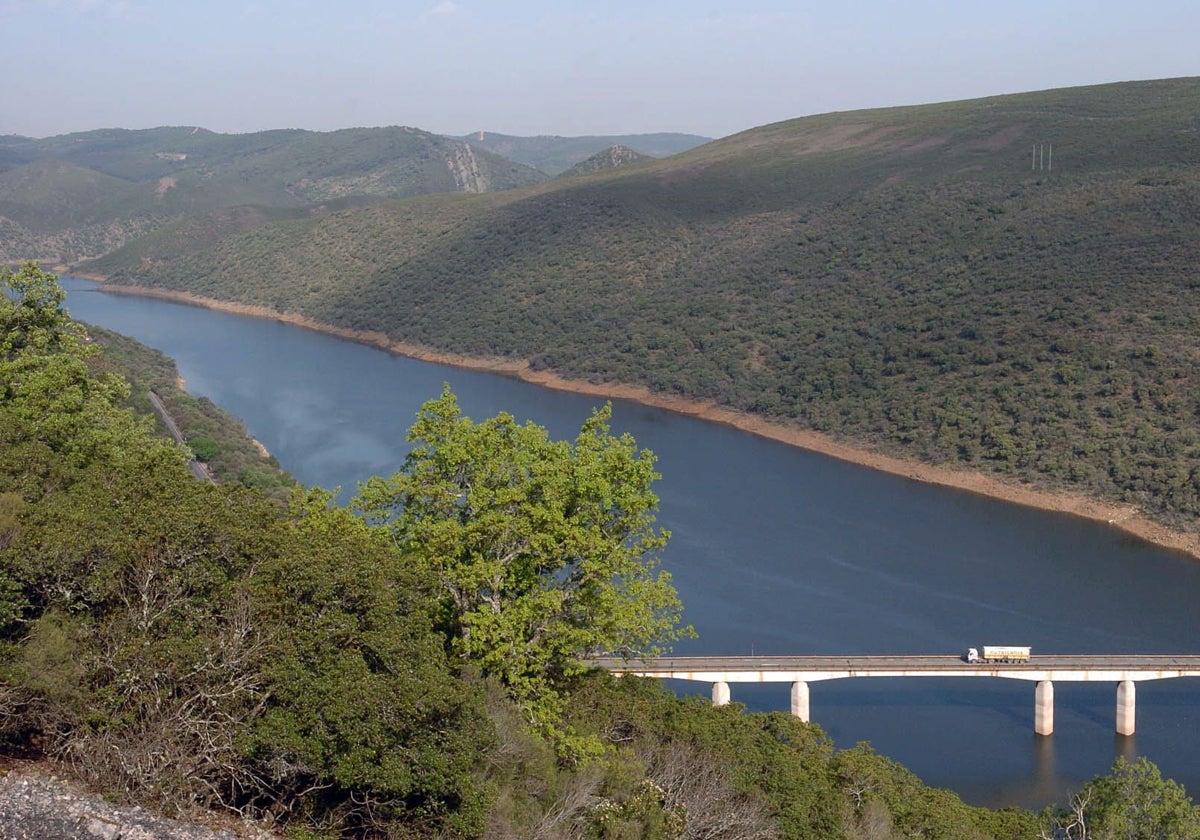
(998, 653)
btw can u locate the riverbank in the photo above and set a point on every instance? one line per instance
(1124, 517)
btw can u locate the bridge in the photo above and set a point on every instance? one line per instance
(1124, 670)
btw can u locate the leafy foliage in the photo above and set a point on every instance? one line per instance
(722, 772)
(1133, 802)
(362, 696)
(187, 644)
(58, 416)
(543, 550)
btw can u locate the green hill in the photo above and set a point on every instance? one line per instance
(80, 195)
(552, 154)
(609, 158)
(910, 279)
(51, 194)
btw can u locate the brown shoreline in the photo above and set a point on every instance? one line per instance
(1124, 517)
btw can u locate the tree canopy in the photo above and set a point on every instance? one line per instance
(1133, 802)
(544, 551)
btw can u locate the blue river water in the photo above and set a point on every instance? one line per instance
(776, 550)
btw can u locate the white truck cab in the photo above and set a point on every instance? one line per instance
(972, 654)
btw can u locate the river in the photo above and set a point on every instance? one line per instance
(776, 550)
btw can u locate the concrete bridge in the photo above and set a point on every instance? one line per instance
(1124, 670)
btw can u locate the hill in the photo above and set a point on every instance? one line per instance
(553, 155)
(1006, 284)
(80, 195)
(609, 158)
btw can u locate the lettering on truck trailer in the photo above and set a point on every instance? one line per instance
(998, 653)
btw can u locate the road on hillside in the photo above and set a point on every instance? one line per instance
(199, 470)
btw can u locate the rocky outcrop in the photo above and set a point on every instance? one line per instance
(464, 166)
(38, 806)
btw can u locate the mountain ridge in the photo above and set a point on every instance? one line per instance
(156, 177)
(554, 154)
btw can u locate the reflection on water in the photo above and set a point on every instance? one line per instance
(779, 551)
(1043, 784)
(1125, 746)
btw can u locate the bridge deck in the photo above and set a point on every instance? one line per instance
(1098, 668)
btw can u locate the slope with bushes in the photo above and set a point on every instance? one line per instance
(923, 281)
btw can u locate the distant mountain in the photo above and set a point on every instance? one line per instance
(553, 155)
(610, 158)
(1006, 284)
(78, 195)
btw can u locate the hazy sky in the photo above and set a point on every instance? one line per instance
(539, 67)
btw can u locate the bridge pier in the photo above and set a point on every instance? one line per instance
(720, 694)
(1126, 707)
(1043, 708)
(800, 700)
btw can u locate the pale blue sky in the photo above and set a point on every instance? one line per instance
(537, 67)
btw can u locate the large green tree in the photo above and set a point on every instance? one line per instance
(55, 416)
(545, 551)
(31, 314)
(1133, 802)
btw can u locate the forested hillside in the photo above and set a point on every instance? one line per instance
(1008, 285)
(77, 195)
(380, 672)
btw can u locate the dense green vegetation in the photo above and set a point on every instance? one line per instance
(1133, 802)
(904, 279)
(188, 645)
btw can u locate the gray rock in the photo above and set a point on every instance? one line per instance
(36, 806)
